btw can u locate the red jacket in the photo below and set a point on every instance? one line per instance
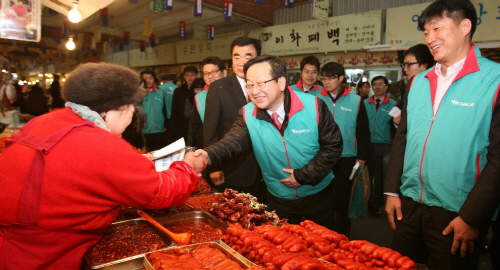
(88, 174)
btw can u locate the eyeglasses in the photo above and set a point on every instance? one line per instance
(261, 85)
(378, 84)
(407, 65)
(327, 79)
(213, 73)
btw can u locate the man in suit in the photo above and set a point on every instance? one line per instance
(225, 97)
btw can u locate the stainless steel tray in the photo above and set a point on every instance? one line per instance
(228, 251)
(190, 218)
(128, 263)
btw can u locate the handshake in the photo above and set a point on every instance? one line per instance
(198, 160)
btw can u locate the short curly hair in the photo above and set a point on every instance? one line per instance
(103, 87)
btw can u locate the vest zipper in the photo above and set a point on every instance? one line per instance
(422, 161)
(288, 161)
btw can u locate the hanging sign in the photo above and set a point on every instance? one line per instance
(21, 21)
(228, 10)
(198, 8)
(321, 9)
(210, 32)
(182, 29)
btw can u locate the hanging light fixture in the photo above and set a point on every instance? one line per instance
(70, 45)
(74, 14)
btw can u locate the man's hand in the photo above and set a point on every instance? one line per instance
(290, 181)
(463, 238)
(397, 119)
(393, 208)
(217, 178)
(197, 162)
(361, 162)
(202, 153)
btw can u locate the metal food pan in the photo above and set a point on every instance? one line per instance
(190, 218)
(128, 263)
(228, 251)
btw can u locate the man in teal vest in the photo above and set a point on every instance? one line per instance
(378, 107)
(309, 72)
(443, 184)
(349, 113)
(295, 140)
(168, 87)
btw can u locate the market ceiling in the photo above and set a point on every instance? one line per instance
(127, 16)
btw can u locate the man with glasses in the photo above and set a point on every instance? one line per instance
(378, 107)
(309, 71)
(417, 59)
(295, 153)
(349, 113)
(225, 97)
(444, 177)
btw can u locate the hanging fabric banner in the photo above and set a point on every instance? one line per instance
(111, 42)
(228, 10)
(157, 5)
(211, 32)
(105, 47)
(56, 36)
(289, 3)
(97, 34)
(65, 29)
(198, 8)
(148, 27)
(104, 18)
(126, 37)
(120, 44)
(152, 41)
(259, 1)
(169, 4)
(133, 1)
(182, 29)
(142, 45)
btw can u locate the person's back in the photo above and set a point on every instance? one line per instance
(36, 102)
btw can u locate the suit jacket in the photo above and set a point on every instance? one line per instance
(225, 98)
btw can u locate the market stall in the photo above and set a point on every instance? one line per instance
(232, 230)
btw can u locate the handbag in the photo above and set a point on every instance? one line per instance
(360, 193)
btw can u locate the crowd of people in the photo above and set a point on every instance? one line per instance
(431, 147)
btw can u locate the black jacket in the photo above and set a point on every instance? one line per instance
(238, 140)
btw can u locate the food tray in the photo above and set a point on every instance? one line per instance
(132, 262)
(228, 251)
(130, 213)
(191, 219)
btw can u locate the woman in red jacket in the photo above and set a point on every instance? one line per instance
(65, 175)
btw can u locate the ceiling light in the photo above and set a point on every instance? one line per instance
(70, 45)
(74, 14)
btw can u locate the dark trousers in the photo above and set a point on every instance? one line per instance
(342, 187)
(495, 244)
(155, 141)
(419, 235)
(377, 167)
(317, 207)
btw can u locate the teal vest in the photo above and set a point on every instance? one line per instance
(201, 101)
(380, 121)
(153, 104)
(298, 87)
(345, 113)
(168, 88)
(298, 145)
(446, 153)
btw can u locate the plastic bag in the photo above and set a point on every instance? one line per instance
(360, 193)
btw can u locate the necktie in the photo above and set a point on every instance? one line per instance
(276, 120)
(378, 103)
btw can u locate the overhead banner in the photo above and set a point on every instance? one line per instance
(321, 9)
(191, 51)
(402, 23)
(163, 54)
(20, 21)
(348, 32)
